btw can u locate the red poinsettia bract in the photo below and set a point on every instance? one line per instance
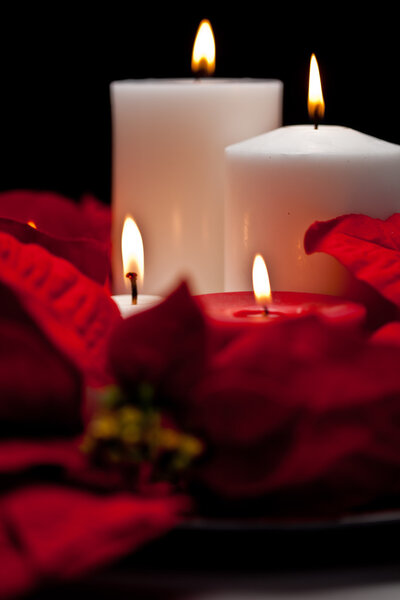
(78, 232)
(368, 247)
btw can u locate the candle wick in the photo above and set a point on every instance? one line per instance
(266, 310)
(202, 71)
(200, 75)
(133, 279)
(317, 116)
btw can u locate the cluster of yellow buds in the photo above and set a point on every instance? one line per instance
(125, 433)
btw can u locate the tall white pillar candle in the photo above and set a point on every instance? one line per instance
(279, 183)
(168, 170)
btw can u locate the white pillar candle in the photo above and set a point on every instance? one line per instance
(279, 183)
(168, 170)
(169, 138)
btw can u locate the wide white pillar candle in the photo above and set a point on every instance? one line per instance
(279, 183)
(168, 170)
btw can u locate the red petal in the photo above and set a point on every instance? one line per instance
(388, 334)
(74, 312)
(90, 256)
(58, 216)
(298, 407)
(40, 389)
(20, 455)
(368, 247)
(79, 232)
(54, 533)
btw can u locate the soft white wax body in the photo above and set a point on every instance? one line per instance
(279, 183)
(168, 170)
(144, 302)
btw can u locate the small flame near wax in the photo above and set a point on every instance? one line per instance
(261, 284)
(32, 224)
(203, 56)
(316, 104)
(132, 251)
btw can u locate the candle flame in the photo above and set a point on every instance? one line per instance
(203, 56)
(32, 224)
(132, 251)
(261, 285)
(316, 104)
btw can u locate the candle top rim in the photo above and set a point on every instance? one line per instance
(189, 81)
(333, 308)
(329, 140)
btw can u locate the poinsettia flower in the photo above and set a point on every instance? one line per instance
(78, 232)
(368, 247)
(55, 326)
(297, 409)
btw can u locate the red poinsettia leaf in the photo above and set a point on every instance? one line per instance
(164, 345)
(63, 533)
(368, 247)
(58, 216)
(77, 231)
(19, 455)
(74, 312)
(388, 334)
(41, 389)
(90, 256)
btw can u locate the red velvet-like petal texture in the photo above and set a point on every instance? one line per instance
(368, 247)
(41, 390)
(89, 256)
(78, 232)
(75, 313)
(58, 216)
(300, 407)
(50, 533)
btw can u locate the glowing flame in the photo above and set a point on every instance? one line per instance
(32, 224)
(261, 285)
(132, 251)
(203, 57)
(316, 104)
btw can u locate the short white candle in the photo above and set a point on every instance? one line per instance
(132, 271)
(279, 183)
(144, 302)
(169, 138)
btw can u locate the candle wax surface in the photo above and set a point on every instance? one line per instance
(241, 308)
(126, 308)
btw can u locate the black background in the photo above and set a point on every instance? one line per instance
(56, 65)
